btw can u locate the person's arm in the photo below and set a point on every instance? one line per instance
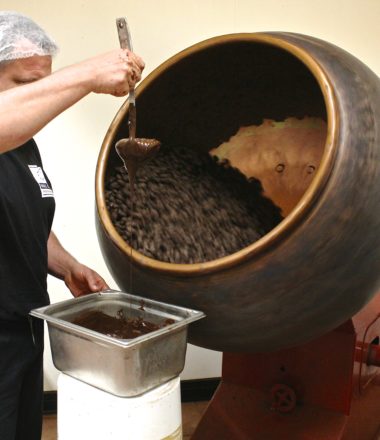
(79, 278)
(24, 110)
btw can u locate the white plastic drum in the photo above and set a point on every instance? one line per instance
(85, 412)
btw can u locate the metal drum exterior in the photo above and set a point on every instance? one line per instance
(320, 265)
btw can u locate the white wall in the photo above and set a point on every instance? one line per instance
(160, 28)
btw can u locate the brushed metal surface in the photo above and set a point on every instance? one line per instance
(124, 367)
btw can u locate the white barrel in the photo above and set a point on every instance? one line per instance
(85, 412)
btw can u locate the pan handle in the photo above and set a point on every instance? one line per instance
(125, 43)
(124, 34)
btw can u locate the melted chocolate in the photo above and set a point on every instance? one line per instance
(118, 327)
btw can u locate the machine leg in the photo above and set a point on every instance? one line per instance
(328, 389)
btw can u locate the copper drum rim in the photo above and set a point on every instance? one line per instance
(287, 225)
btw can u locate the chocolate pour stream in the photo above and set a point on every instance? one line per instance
(133, 152)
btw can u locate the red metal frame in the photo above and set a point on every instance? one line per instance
(323, 390)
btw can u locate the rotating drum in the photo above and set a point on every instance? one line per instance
(320, 265)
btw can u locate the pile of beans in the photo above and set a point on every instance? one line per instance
(188, 207)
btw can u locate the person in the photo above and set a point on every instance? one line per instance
(30, 97)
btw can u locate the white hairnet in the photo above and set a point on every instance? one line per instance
(21, 37)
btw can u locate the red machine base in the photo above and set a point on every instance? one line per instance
(328, 389)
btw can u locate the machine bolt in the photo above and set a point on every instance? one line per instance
(280, 168)
(284, 398)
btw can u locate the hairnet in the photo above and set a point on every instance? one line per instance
(21, 37)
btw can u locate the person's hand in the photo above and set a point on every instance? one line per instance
(82, 280)
(114, 72)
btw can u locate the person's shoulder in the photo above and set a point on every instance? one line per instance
(32, 145)
(30, 151)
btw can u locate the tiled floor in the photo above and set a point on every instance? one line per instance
(191, 414)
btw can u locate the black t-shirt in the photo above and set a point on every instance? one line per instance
(26, 214)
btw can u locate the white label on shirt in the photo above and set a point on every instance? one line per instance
(38, 174)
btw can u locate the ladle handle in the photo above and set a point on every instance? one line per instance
(125, 43)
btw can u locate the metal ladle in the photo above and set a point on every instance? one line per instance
(133, 151)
